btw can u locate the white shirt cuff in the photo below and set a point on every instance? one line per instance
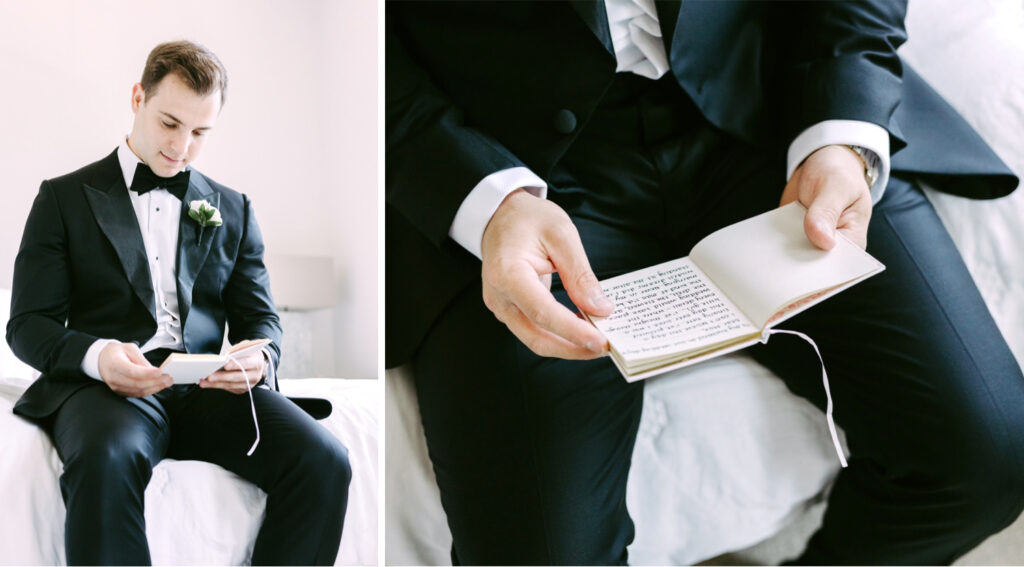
(479, 206)
(843, 132)
(91, 360)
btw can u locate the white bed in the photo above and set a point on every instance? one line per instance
(726, 456)
(196, 513)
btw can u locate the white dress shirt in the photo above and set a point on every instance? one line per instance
(640, 49)
(159, 215)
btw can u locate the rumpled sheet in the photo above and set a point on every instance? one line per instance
(196, 513)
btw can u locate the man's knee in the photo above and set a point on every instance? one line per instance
(323, 464)
(973, 469)
(115, 462)
(335, 463)
(990, 481)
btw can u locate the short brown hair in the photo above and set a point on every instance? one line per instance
(191, 62)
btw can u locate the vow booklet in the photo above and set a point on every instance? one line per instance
(736, 284)
(191, 368)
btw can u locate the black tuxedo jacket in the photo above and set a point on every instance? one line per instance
(81, 274)
(473, 88)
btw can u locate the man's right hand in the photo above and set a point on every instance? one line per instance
(527, 240)
(123, 367)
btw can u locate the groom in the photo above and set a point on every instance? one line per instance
(112, 275)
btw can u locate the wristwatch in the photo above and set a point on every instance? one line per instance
(870, 161)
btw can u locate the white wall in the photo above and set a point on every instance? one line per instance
(298, 133)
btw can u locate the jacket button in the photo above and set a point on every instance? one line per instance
(565, 121)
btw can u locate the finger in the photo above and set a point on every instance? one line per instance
(137, 389)
(570, 261)
(543, 342)
(232, 377)
(153, 383)
(232, 387)
(145, 373)
(152, 389)
(135, 355)
(540, 307)
(137, 367)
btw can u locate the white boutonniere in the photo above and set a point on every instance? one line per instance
(205, 214)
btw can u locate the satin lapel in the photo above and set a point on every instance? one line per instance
(116, 217)
(596, 17)
(668, 15)
(192, 252)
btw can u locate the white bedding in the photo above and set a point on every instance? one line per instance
(725, 456)
(196, 513)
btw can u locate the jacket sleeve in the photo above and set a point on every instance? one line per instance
(433, 158)
(247, 301)
(41, 294)
(840, 62)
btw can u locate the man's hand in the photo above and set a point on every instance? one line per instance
(230, 377)
(527, 240)
(127, 372)
(831, 184)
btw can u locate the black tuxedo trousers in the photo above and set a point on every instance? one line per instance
(109, 459)
(532, 454)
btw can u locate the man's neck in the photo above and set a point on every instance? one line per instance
(128, 141)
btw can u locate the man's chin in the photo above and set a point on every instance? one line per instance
(167, 171)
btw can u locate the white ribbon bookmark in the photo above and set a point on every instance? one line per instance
(824, 379)
(252, 404)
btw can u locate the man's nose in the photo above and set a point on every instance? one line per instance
(180, 143)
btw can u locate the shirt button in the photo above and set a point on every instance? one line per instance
(158, 209)
(565, 121)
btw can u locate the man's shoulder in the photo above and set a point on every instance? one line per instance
(214, 186)
(95, 173)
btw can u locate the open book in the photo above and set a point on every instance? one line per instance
(737, 283)
(191, 368)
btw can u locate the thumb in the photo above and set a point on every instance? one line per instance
(570, 260)
(821, 220)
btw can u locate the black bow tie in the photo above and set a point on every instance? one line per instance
(145, 181)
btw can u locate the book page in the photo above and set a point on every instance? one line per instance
(765, 264)
(191, 368)
(245, 347)
(669, 308)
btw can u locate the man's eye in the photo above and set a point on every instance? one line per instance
(169, 125)
(198, 133)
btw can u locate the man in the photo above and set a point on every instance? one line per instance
(113, 274)
(548, 145)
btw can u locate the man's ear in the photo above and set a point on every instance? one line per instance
(138, 97)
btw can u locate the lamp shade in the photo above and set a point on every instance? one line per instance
(301, 283)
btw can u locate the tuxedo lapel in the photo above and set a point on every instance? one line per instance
(193, 250)
(596, 17)
(668, 14)
(108, 198)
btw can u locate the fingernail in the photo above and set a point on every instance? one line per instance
(594, 346)
(599, 301)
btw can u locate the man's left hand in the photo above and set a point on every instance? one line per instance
(831, 184)
(230, 377)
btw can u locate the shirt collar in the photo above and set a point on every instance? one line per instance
(128, 161)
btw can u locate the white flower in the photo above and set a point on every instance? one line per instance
(203, 213)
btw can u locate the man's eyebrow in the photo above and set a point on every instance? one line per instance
(175, 119)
